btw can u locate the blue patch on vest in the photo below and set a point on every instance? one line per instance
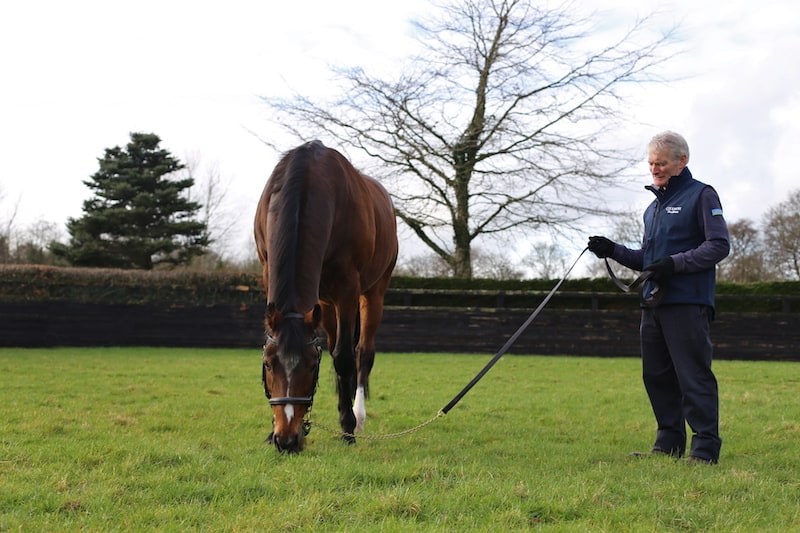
(716, 212)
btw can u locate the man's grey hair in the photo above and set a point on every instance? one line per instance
(672, 143)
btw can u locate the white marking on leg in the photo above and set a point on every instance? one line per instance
(359, 409)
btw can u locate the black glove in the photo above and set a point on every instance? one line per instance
(662, 269)
(601, 247)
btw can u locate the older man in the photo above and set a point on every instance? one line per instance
(685, 236)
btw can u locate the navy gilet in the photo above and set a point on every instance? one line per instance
(672, 225)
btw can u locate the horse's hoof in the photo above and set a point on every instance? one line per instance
(349, 439)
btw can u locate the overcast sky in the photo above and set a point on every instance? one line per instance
(78, 77)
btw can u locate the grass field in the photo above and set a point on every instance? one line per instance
(122, 439)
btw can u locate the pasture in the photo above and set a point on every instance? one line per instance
(121, 439)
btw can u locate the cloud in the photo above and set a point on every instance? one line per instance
(79, 76)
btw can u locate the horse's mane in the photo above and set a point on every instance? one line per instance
(290, 343)
(294, 165)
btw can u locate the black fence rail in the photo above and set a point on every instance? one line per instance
(584, 324)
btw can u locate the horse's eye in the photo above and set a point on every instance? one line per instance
(268, 358)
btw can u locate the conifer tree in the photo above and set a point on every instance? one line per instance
(140, 215)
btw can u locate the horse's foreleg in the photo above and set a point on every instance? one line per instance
(345, 381)
(345, 365)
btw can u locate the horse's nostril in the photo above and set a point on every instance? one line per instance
(288, 445)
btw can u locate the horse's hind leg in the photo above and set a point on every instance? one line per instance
(366, 359)
(371, 314)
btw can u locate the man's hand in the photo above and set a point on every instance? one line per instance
(601, 247)
(662, 269)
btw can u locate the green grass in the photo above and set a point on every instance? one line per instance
(119, 439)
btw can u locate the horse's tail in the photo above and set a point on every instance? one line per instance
(357, 329)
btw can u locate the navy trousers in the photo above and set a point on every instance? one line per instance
(676, 370)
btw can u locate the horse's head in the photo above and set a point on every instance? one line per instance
(290, 372)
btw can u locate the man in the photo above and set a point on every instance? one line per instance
(685, 236)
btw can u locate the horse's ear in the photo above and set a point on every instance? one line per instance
(316, 316)
(272, 315)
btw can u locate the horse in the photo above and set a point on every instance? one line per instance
(326, 237)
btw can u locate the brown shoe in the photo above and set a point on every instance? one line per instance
(651, 453)
(694, 460)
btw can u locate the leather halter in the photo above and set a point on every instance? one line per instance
(294, 400)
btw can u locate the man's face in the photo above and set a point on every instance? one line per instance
(663, 166)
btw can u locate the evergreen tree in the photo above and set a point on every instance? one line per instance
(139, 216)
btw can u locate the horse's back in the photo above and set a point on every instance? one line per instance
(364, 225)
(345, 222)
(385, 247)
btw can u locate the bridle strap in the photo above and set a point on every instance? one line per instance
(511, 339)
(296, 400)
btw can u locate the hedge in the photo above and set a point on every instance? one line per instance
(37, 283)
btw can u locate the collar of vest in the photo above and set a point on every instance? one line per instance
(675, 183)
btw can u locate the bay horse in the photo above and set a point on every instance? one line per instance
(326, 237)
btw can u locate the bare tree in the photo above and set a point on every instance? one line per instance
(548, 261)
(781, 229)
(747, 261)
(497, 128)
(211, 191)
(7, 237)
(32, 243)
(489, 265)
(422, 266)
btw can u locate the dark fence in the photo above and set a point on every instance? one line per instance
(587, 324)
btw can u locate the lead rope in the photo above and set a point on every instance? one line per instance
(380, 437)
(644, 276)
(651, 299)
(510, 342)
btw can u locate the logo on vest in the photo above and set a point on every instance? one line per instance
(672, 210)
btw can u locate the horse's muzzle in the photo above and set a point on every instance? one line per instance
(289, 443)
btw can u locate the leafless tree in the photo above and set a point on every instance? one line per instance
(747, 260)
(422, 266)
(781, 228)
(7, 243)
(498, 127)
(211, 191)
(33, 243)
(547, 261)
(489, 265)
